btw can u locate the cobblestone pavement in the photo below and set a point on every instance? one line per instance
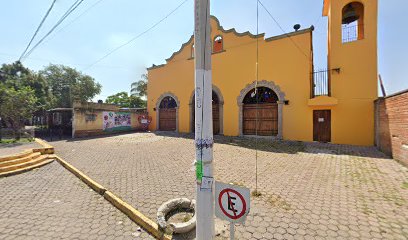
(10, 149)
(309, 190)
(51, 203)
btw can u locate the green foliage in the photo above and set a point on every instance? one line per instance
(123, 100)
(16, 106)
(67, 84)
(17, 76)
(139, 88)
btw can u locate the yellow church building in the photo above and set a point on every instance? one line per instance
(293, 101)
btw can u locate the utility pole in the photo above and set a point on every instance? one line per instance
(203, 122)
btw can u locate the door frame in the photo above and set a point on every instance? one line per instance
(159, 100)
(281, 96)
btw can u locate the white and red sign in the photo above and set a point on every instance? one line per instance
(232, 203)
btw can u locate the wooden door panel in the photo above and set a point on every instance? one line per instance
(322, 125)
(167, 119)
(266, 115)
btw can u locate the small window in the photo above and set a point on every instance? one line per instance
(192, 51)
(218, 44)
(353, 22)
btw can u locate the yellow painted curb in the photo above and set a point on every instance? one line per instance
(136, 216)
(147, 224)
(91, 183)
(22, 154)
(46, 148)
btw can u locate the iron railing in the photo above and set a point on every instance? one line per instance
(351, 33)
(320, 83)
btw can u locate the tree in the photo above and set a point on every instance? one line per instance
(17, 76)
(123, 100)
(16, 105)
(139, 88)
(67, 84)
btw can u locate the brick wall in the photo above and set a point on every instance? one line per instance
(391, 115)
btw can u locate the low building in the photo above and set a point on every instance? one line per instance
(292, 100)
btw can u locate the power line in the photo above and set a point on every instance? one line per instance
(135, 38)
(71, 9)
(284, 32)
(38, 29)
(75, 19)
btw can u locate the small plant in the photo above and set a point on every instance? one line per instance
(405, 185)
(187, 218)
(256, 193)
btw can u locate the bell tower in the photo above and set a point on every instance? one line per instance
(352, 47)
(353, 66)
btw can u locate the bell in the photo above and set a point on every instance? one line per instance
(350, 15)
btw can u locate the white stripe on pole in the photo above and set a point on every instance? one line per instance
(203, 122)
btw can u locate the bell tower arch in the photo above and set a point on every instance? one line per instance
(352, 47)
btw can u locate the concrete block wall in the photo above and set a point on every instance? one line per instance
(391, 115)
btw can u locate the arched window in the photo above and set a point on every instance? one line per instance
(168, 102)
(263, 95)
(353, 22)
(218, 44)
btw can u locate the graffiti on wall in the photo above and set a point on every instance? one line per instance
(116, 121)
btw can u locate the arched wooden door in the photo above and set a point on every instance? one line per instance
(260, 113)
(215, 112)
(168, 114)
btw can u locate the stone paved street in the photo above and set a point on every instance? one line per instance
(309, 190)
(51, 203)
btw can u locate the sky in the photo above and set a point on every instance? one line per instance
(88, 35)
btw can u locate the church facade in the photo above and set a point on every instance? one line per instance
(292, 100)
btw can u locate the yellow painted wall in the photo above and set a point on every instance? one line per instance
(356, 85)
(81, 110)
(281, 62)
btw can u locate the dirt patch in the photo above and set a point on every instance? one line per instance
(278, 202)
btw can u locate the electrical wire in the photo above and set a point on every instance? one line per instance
(74, 20)
(70, 10)
(284, 32)
(38, 28)
(136, 37)
(257, 98)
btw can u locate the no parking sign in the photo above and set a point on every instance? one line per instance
(232, 203)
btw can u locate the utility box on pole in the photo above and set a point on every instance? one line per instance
(203, 122)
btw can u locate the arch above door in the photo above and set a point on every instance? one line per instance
(281, 101)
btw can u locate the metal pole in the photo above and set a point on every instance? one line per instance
(382, 86)
(232, 231)
(203, 122)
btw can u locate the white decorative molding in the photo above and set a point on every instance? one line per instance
(159, 100)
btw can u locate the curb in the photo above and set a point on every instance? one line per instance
(46, 148)
(144, 222)
(136, 216)
(91, 183)
(22, 154)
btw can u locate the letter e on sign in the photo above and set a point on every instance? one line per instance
(232, 203)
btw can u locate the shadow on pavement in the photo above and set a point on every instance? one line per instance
(287, 147)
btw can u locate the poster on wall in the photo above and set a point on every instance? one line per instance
(116, 121)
